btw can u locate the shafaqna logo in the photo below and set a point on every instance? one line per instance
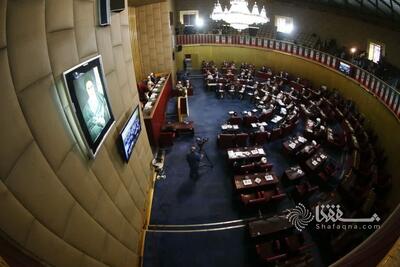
(326, 217)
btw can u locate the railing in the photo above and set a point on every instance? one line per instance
(372, 84)
(393, 257)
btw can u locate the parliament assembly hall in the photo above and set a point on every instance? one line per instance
(188, 133)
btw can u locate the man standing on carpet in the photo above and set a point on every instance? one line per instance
(193, 158)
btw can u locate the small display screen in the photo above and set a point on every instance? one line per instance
(130, 134)
(87, 91)
(344, 68)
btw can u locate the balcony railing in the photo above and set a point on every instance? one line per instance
(372, 84)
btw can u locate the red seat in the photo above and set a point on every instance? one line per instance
(286, 129)
(226, 141)
(264, 167)
(264, 117)
(241, 139)
(304, 190)
(270, 251)
(295, 244)
(275, 134)
(247, 168)
(257, 198)
(327, 172)
(278, 194)
(259, 138)
(166, 139)
(248, 120)
(262, 197)
(235, 121)
(293, 118)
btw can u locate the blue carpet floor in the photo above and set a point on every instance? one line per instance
(178, 200)
(220, 248)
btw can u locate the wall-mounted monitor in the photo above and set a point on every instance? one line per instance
(104, 12)
(117, 5)
(344, 68)
(130, 134)
(87, 93)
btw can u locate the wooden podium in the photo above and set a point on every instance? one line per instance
(183, 108)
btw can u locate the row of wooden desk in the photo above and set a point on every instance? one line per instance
(154, 119)
(266, 227)
(255, 181)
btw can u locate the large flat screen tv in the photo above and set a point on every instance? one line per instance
(344, 68)
(130, 134)
(87, 91)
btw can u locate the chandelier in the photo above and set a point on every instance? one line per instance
(239, 15)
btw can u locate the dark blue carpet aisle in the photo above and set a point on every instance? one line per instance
(200, 249)
(178, 200)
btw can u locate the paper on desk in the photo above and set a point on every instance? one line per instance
(247, 182)
(302, 139)
(269, 177)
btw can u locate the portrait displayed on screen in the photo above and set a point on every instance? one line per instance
(88, 94)
(130, 134)
(344, 68)
(95, 111)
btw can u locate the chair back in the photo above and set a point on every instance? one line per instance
(241, 139)
(259, 138)
(248, 120)
(226, 141)
(276, 133)
(166, 139)
(286, 129)
(264, 117)
(247, 168)
(235, 121)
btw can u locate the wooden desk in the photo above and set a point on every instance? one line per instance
(294, 144)
(257, 125)
(269, 226)
(294, 173)
(317, 160)
(179, 127)
(265, 180)
(307, 151)
(228, 128)
(155, 119)
(246, 153)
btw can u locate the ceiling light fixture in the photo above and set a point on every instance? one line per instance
(239, 15)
